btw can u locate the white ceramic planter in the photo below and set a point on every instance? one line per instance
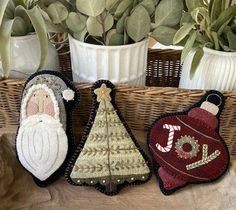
(119, 64)
(217, 70)
(25, 56)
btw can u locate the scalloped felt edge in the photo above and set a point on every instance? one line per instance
(88, 127)
(156, 166)
(69, 107)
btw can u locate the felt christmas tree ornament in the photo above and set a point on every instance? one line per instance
(108, 157)
(45, 139)
(187, 147)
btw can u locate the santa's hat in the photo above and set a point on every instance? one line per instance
(56, 84)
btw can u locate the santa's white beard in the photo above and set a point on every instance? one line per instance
(41, 145)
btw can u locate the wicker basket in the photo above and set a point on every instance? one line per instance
(140, 106)
(65, 62)
(139, 116)
(163, 68)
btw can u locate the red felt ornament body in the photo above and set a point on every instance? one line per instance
(187, 146)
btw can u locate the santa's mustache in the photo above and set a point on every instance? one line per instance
(41, 118)
(41, 145)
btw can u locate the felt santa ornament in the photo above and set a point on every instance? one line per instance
(187, 147)
(45, 139)
(108, 157)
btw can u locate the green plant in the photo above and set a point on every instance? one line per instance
(20, 18)
(119, 22)
(210, 24)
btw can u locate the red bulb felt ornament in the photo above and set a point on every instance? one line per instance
(187, 147)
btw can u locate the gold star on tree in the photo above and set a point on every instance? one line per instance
(103, 93)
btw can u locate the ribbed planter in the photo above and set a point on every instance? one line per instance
(119, 64)
(217, 70)
(25, 56)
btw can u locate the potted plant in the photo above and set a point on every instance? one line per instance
(109, 38)
(208, 33)
(24, 44)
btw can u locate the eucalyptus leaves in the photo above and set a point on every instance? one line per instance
(118, 22)
(210, 24)
(24, 17)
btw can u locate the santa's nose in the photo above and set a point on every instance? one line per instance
(41, 103)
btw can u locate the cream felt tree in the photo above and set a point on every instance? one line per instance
(109, 156)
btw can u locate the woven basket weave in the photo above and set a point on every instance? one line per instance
(163, 68)
(140, 106)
